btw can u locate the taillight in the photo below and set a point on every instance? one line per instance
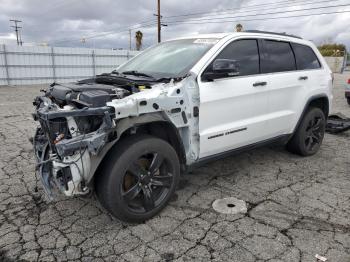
(349, 81)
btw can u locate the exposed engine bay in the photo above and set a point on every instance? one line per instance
(80, 122)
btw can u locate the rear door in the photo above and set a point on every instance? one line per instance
(285, 88)
(233, 109)
(309, 72)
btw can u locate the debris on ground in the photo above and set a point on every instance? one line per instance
(337, 123)
(320, 258)
(230, 205)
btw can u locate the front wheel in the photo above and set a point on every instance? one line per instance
(308, 137)
(138, 178)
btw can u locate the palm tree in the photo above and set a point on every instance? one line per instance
(239, 28)
(138, 36)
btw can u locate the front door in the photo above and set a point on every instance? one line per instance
(234, 108)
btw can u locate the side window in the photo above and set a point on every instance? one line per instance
(305, 57)
(245, 54)
(278, 57)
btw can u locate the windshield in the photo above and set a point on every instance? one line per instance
(169, 59)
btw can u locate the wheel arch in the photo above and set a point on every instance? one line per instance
(162, 129)
(320, 101)
(155, 124)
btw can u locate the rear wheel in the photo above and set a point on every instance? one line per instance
(138, 178)
(308, 137)
(348, 98)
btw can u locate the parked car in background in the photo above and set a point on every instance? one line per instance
(130, 133)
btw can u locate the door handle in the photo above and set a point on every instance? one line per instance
(260, 84)
(303, 78)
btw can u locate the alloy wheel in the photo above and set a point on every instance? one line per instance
(314, 133)
(146, 182)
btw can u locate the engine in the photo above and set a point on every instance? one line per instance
(75, 124)
(85, 95)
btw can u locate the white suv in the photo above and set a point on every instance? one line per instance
(130, 133)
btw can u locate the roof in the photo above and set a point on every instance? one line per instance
(249, 32)
(212, 35)
(271, 33)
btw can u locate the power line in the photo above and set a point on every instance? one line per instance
(269, 13)
(268, 18)
(255, 19)
(231, 9)
(151, 23)
(121, 30)
(146, 23)
(241, 10)
(204, 19)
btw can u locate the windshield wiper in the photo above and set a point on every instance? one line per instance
(136, 73)
(175, 78)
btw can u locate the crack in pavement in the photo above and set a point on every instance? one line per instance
(297, 207)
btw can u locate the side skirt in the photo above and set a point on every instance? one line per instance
(283, 139)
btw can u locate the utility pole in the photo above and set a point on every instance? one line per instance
(159, 17)
(20, 38)
(16, 27)
(129, 39)
(158, 21)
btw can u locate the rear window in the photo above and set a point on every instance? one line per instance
(305, 57)
(278, 57)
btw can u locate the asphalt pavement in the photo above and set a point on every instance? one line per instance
(296, 207)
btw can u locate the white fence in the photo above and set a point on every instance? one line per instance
(23, 65)
(336, 64)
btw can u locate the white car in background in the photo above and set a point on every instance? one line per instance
(130, 133)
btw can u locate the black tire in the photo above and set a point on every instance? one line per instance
(308, 137)
(348, 99)
(138, 171)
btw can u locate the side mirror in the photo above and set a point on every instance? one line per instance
(225, 66)
(221, 68)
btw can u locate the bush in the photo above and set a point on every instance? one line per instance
(332, 49)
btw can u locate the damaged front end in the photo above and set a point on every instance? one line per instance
(80, 122)
(69, 136)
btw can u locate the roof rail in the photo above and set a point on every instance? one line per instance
(271, 33)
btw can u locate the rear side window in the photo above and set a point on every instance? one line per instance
(278, 57)
(305, 57)
(246, 53)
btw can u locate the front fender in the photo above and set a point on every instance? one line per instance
(121, 127)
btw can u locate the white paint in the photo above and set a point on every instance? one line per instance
(232, 111)
(264, 112)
